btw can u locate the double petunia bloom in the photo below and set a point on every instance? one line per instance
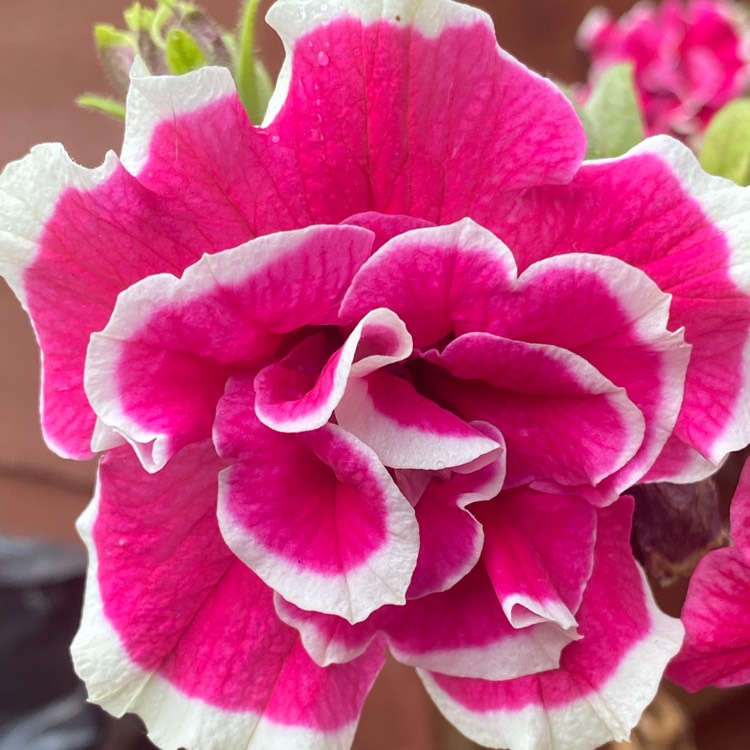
(690, 58)
(376, 375)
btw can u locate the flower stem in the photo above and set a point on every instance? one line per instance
(245, 72)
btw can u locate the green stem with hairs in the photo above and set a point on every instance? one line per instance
(245, 72)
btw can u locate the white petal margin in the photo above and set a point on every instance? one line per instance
(294, 19)
(173, 719)
(608, 714)
(29, 192)
(728, 206)
(396, 350)
(162, 292)
(411, 445)
(382, 579)
(152, 100)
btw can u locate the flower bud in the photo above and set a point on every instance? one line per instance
(675, 526)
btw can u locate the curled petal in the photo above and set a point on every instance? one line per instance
(562, 420)
(450, 537)
(156, 372)
(407, 430)
(539, 554)
(427, 275)
(462, 631)
(301, 391)
(604, 681)
(353, 544)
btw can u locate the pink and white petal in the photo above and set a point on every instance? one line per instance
(450, 537)
(604, 681)
(74, 238)
(688, 231)
(354, 542)
(386, 226)
(620, 326)
(562, 420)
(300, 392)
(178, 630)
(406, 430)
(30, 190)
(329, 639)
(426, 275)
(156, 372)
(407, 105)
(539, 554)
(462, 631)
(716, 616)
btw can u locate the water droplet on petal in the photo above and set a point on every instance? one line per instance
(322, 59)
(275, 139)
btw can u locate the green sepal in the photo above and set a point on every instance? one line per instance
(102, 104)
(611, 115)
(106, 35)
(726, 144)
(182, 52)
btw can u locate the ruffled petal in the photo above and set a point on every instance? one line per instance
(74, 238)
(462, 631)
(539, 554)
(407, 109)
(301, 391)
(407, 430)
(427, 275)
(450, 537)
(563, 421)
(688, 231)
(604, 681)
(176, 628)
(354, 540)
(156, 372)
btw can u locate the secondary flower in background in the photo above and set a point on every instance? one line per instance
(376, 373)
(717, 610)
(690, 58)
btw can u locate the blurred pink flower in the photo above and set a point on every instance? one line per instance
(690, 58)
(375, 374)
(717, 609)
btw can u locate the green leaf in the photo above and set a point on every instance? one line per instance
(611, 116)
(726, 145)
(182, 52)
(102, 104)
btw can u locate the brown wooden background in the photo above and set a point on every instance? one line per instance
(46, 59)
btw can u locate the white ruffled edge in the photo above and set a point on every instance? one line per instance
(156, 293)
(30, 189)
(609, 713)
(383, 578)
(173, 719)
(728, 207)
(152, 100)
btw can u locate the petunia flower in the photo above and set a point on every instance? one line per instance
(376, 374)
(716, 613)
(690, 58)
